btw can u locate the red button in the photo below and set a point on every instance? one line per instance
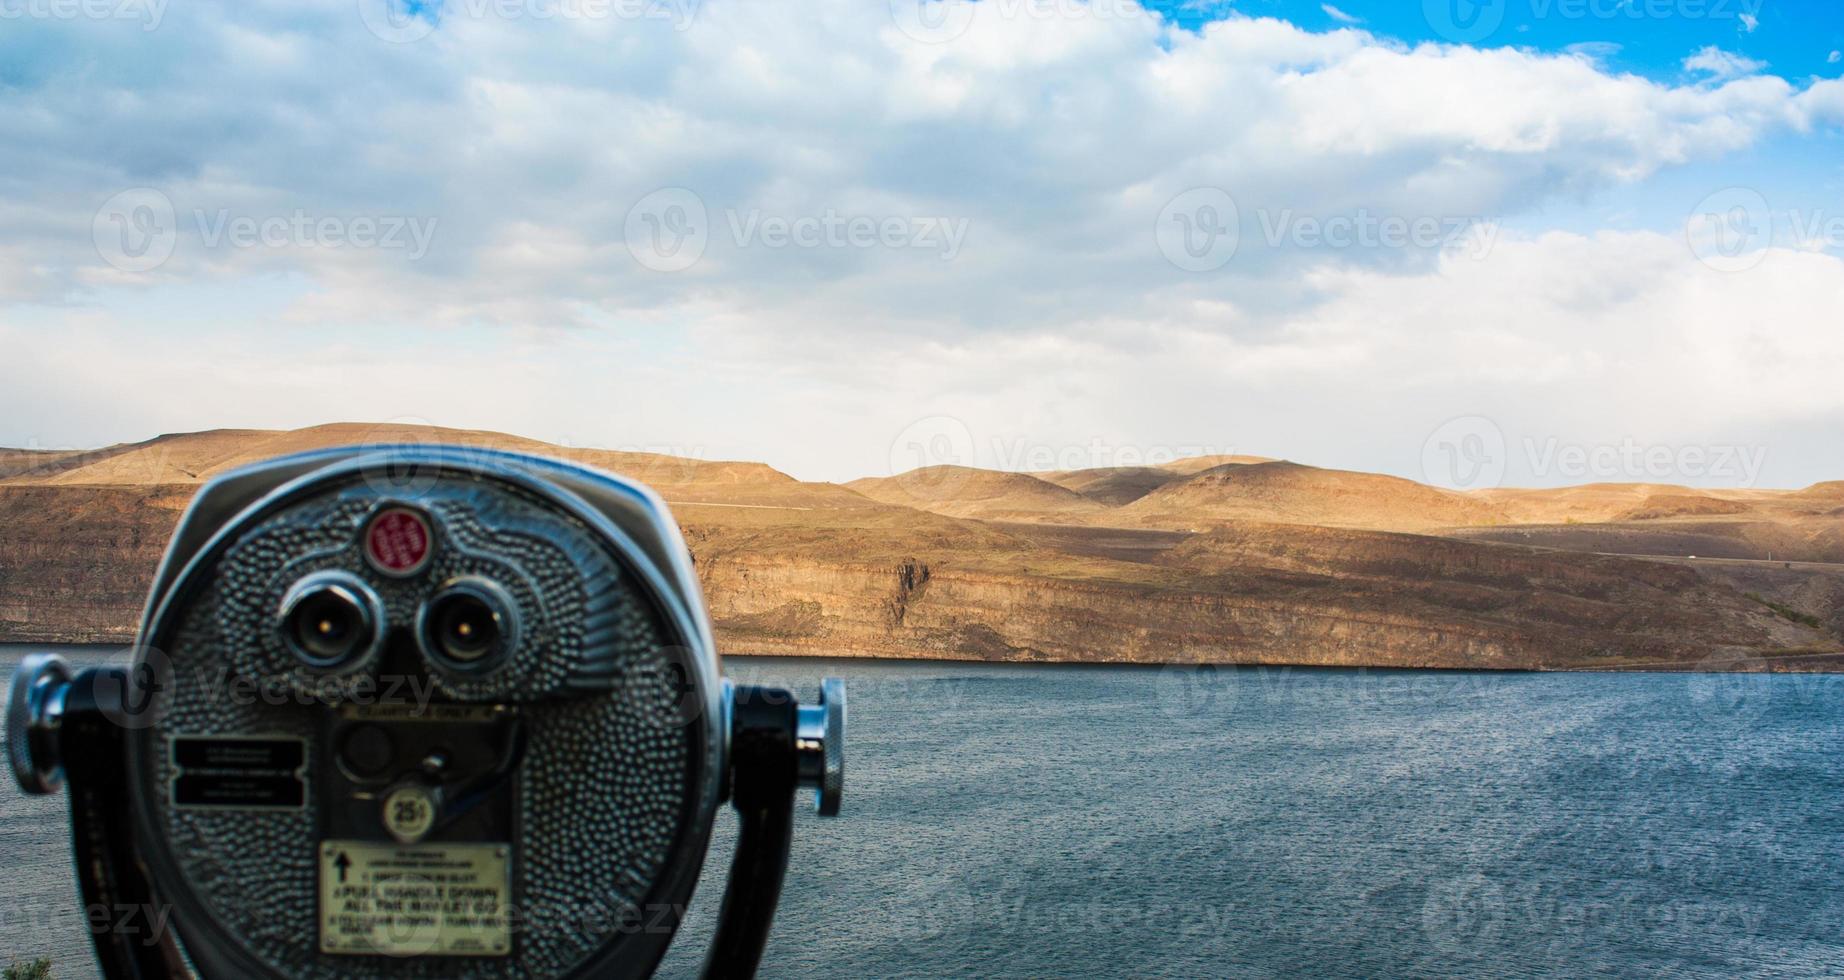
(397, 542)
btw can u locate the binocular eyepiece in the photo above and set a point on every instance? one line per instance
(412, 711)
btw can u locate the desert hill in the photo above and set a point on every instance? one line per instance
(1286, 492)
(963, 491)
(1113, 486)
(1221, 559)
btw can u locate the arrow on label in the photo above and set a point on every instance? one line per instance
(342, 863)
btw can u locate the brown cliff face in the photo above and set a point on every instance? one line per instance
(1186, 563)
(76, 562)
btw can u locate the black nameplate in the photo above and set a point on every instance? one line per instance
(239, 773)
(245, 754)
(243, 792)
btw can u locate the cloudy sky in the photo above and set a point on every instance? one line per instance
(1527, 242)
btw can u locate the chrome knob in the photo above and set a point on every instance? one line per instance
(819, 743)
(34, 709)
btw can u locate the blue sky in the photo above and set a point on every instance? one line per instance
(1794, 38)
(1027, 233)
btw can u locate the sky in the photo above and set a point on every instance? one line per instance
(1470, 242)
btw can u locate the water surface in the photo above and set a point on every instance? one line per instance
(1035, 821)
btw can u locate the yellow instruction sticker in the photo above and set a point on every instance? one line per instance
(421, 900)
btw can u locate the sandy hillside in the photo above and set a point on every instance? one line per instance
(961, 491)
(1221, 559)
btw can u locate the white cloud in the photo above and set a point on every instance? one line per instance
(1339, 15)
(1834, 57)
(1585, 339)
(1056, 138)
(1722, 64)
(1749, 23)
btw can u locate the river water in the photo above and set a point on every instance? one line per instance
(1039, 821)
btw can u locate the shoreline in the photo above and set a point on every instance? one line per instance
(1834, 662)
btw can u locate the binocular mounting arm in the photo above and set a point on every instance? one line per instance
(64, 728)
(777, 746)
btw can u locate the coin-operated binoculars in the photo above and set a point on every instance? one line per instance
(415, 712)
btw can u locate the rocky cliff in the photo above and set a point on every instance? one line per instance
(797, 568)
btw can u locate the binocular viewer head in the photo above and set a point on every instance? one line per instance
(415, 710)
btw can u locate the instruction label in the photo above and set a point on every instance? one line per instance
(256, 772)
(421, 900)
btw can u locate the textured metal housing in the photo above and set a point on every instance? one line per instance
(615, 673)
